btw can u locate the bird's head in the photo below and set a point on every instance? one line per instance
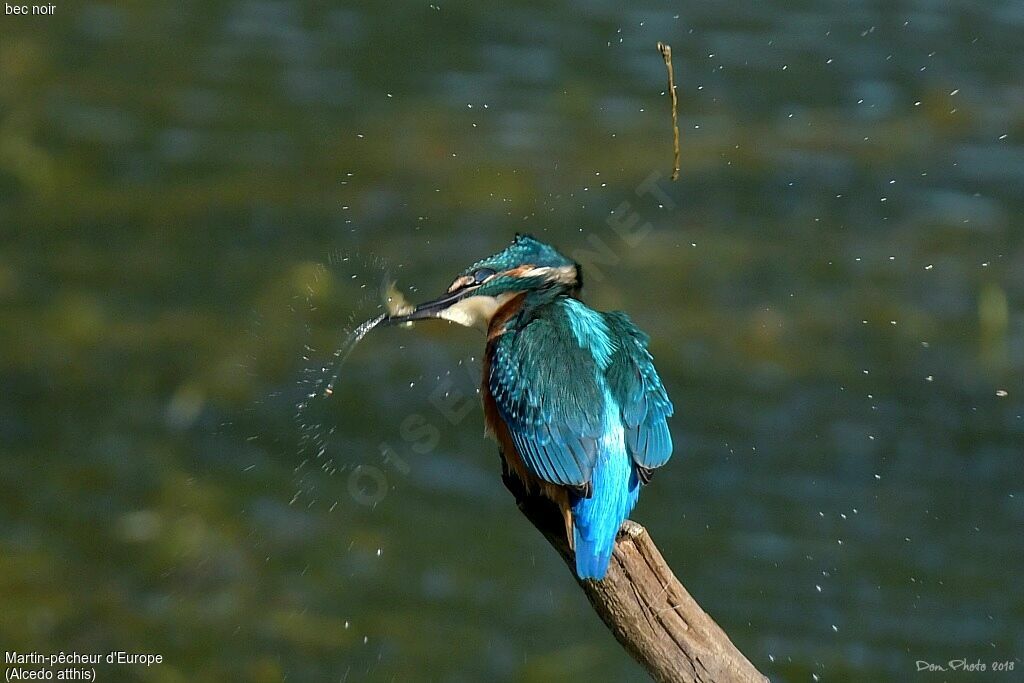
(527, 266)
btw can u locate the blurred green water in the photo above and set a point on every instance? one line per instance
(197, 198)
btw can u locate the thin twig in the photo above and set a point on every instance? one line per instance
(666, 53)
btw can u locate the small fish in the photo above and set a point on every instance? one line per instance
(394, 300)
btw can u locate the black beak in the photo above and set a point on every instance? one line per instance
(430, 309)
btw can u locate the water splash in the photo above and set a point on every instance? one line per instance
(312, 413)
(344, 350)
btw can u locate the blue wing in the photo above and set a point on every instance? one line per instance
(547, 390)
(635, 385)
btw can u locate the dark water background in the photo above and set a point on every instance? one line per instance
(196, 199)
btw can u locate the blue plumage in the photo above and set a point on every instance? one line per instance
(555, 423)
(638, 389)
(571, 392)
(615, 488)
(579, 395)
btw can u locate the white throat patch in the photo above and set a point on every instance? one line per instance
(476, 311)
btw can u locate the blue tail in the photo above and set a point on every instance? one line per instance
(596, 520)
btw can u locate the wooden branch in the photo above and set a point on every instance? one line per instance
(644, 606)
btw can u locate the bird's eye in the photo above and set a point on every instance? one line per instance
(482, 274)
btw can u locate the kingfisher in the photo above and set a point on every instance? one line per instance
(570, 393)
